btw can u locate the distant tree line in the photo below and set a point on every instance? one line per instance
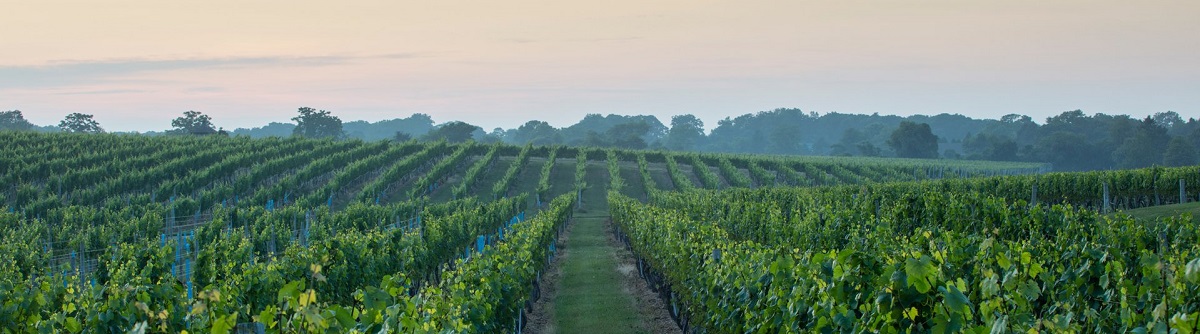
(1070, 141)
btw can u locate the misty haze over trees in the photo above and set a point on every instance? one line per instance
(1071, 141)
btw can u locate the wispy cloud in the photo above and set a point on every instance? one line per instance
(519, 40)
(207, 89)
(101, 92)
(611, 39)
(77, 72)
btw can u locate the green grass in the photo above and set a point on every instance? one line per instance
(590, 296)
(1155, 212)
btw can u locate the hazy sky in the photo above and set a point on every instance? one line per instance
(136, 64)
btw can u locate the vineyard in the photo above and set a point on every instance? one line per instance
(107, 233)
(979, 255)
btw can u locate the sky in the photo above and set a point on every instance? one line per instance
(137, 64)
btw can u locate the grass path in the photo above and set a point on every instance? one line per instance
(591, 293)
(590, 296)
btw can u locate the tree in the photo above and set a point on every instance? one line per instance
(1122, 127)
(1194, 137)
(1168, 119)
(578, 133)
(13, 120)
(496, 136)
(686, 131)
(865, 148)
(80, 123)
(850, 139)
(990, 147)
(1180, 152)
(1015, 119)
(854, 140)
(624, 135)
(317, 124)
(785, 139)
(535, 132)
(401, 136)
(1069, 151)
(1005, 150)
(1144, 148)
(193, 122)
(912, 140)
(628, 135)
(454, 132)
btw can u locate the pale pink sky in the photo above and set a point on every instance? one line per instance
(136, 64)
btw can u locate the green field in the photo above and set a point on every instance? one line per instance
(105, 233)
(1164, 211)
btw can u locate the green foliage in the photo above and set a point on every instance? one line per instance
(148, 216)
(80, 123)
(899, 258)
(761, 176)
(706, 176)
(644, 170)
(912, 140)
(469, 179)
(13, 120)
(625, 135)
(616, 183)
(353, 173)
(581, 170)
(193, 122)
(1145, 148)
(681, 181)
(377, 190)
(543, 186)
(437, 175)
(732, 174)
(311, 123)
(453, 132)
(536, 133)
(502, 187)
(1179, 153)
(686, 132)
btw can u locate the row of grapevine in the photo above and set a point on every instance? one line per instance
(581, 163)
(760, 175)
(707, 177)
(732, 174)
(543, 186)
(502, 187)
(303, 180)
(849, 269)
(111, 232)
(135, 278)
(644, 169)
(438, 174)
(468, 180)
(615, 182)
(681, 180)
(353, 172)
(377, 189)
(218, 170)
